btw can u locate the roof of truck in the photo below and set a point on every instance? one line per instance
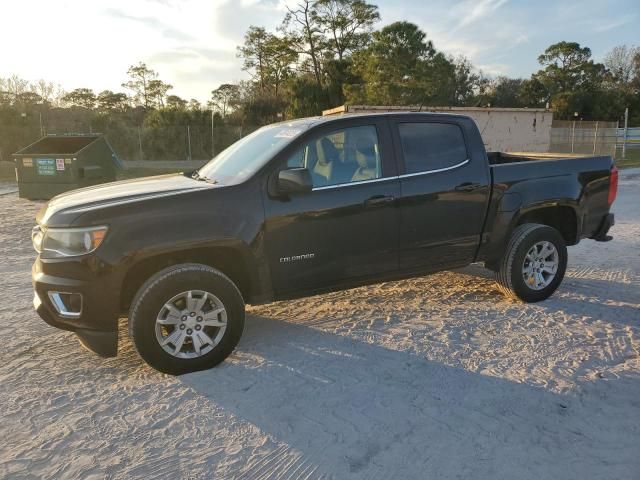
(309, 122)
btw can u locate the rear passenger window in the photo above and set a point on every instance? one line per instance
(431, 146)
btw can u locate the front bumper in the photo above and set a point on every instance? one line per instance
(96, 324)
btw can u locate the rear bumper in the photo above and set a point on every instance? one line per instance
(96, 324)
(601, 234)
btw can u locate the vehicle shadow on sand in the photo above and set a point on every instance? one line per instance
(606, 300)
(358, 408)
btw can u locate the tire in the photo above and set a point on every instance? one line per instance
(516, 261)
(154, 303)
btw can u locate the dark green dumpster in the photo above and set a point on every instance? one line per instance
(57, 163)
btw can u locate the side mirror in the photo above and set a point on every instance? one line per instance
(294, 180)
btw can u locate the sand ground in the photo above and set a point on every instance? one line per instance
(435, 377)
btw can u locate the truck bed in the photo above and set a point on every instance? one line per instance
(579, 182)
(499, 158)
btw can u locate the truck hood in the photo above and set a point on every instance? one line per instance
(117, 193)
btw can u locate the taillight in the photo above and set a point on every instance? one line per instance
(613, 185)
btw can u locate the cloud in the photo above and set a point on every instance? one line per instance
(493, 69)
(605, 27)
(476, 10)
(152, 23)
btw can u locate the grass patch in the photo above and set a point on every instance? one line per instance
(632, 158)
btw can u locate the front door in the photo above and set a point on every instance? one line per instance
(346, 228)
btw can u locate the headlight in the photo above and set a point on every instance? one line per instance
(67, 242)
(36, 237)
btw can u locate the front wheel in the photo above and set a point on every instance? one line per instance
(534, 263)
(186, 318)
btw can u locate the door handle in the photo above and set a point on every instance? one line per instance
(379, 200)
(468, 187)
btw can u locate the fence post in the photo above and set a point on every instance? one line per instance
(189, 141)
(573, 135)
(595, 138)
(626, 131)
(213, 148)
(140, 144)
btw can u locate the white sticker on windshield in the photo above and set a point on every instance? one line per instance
(290, 133)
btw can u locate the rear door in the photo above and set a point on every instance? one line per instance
(444, 192)
(346, 228)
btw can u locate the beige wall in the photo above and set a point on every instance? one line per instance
(502, 129)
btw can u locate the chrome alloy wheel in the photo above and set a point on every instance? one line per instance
(540, 265)
(191, 324)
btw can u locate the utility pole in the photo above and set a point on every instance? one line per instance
(626, 131)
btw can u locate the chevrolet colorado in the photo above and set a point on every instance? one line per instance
(303, 207)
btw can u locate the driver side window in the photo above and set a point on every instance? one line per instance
(343, 156)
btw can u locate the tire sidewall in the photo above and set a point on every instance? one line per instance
(540, 234)
(160, 289)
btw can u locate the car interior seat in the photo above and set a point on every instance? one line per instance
(367, 158)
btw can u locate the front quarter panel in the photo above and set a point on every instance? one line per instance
(227, 216)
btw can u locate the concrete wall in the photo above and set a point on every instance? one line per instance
(502, 129)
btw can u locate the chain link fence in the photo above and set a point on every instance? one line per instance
(170, 143)
(595, 138)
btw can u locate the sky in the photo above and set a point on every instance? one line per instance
(192, 43)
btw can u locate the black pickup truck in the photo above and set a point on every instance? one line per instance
(304, 207)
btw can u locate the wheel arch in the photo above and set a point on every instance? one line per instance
(230, 260)
(562, 217)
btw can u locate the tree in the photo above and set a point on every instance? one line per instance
(224, 98)
(176, 103)
(51, 93)
(304, 33)
(570, 78)
(81, 97)
(569, 67)
(635, 83)
(347, 24)
(397, 67)
(507, 93)
(109, 101)
(620, 62)
(254, 54)
(533, 93)
(281, 57)
(148, 91)
(29, 98)
(194, 105)
(12, 87)
(268, 58)
(157, 91)
(465, 80)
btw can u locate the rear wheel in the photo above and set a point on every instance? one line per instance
(185, 318)
(534, 263)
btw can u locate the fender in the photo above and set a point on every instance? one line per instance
(522, 198)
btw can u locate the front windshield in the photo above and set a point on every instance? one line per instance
(239, 161)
